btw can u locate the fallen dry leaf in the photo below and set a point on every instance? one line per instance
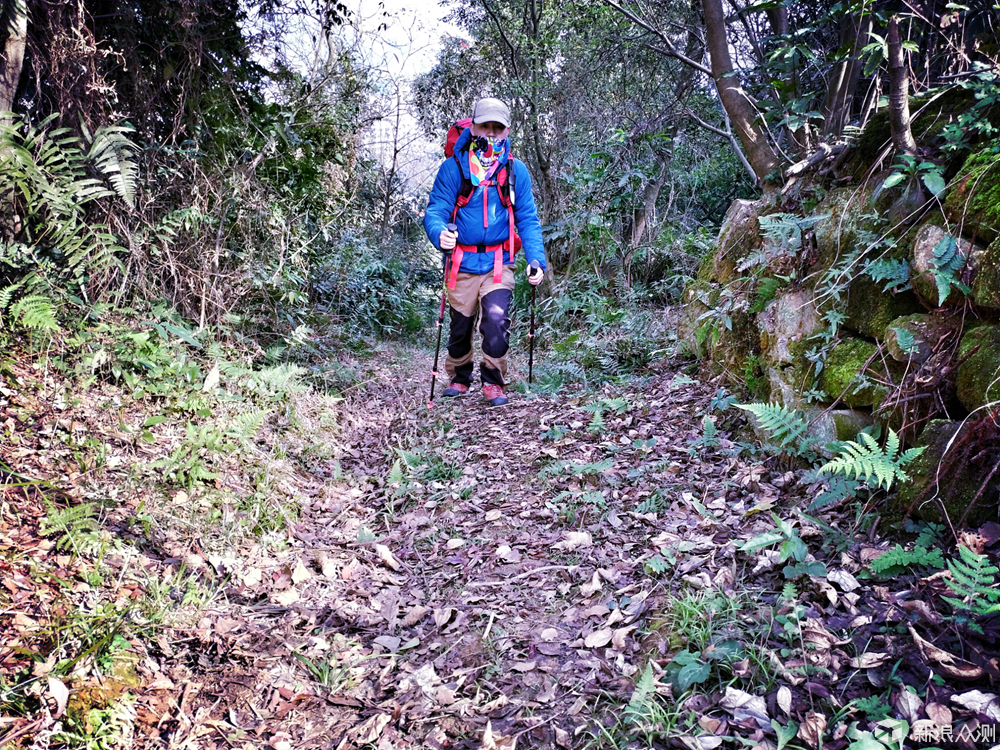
(869, 660)
(986, 704)
(949, 664)
(938, 713)
(811, 730)
(59, 694)
(386, 556)
(598, 638)
(497, 742)
(574, 540)
(784, 699)
(300, 573)
(743, 705)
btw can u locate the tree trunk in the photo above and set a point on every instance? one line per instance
(737, 103)
(639, 220)
(844, 80)
(13, 57)
(899, 93)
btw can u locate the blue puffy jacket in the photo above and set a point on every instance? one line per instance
(470, 217)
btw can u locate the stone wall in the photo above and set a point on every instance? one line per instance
(869, 307)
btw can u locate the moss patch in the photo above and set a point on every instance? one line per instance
(843, 374)
(973, 199)
(978, 378)
(739, 235)
(986, 286)
(870, 310)
(850, 222)
(961, 489)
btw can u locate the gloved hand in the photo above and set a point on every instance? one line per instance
(535, 273)
(447, 239)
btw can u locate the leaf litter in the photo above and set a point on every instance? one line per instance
(470, 577)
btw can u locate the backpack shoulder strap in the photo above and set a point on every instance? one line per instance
(464, 190)
(505, 184)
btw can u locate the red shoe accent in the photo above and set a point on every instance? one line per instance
(494, 394)
(455, 389)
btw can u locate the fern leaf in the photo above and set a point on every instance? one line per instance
(897, 560)
(111, 151)
(35, 312)
(865, 460)
(638, 703)
(783, 425)
(974, 582)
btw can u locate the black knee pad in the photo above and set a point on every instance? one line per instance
(495, 324)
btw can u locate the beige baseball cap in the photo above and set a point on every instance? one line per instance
(491, 110)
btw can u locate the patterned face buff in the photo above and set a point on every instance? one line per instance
(484, 157)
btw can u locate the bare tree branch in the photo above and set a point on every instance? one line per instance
(670, 50)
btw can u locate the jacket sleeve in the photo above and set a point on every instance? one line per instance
(526, 216)
(441, 201)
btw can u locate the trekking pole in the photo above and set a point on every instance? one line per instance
(437, 349)
(531, 332)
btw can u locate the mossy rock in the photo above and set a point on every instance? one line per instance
(785, 325)
(870, 310)
(738, 237)
(844, 377)
(850, 221)
(825, 425)
(922, 265)
(926, 329)
(986, 285)
(973, 200)
(958, 488)
(874, 139)
(978, 379)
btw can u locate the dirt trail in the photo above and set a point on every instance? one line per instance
(470, 577)
(494, 581)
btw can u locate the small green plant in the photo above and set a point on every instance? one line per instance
(709, 437)
(186, 465)
(76, 525)
(875, 707)
(786, 427)
(946, 261)
(898, 560)
(909, 167)
(867, 461)
(792, 548)
(618, 405)
(976, 587)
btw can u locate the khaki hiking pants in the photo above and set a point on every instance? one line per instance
(476, 296)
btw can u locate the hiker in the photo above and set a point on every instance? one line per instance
(486, 194)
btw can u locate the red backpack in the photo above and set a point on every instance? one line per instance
(504, 180)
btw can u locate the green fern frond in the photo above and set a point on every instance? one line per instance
(248, 423)
(785, 426)
(36, 313)
(868, 462)
(112, 151)
(597, 422)
(638, 705)
(974, 582)
(897, 560)
(76, 525)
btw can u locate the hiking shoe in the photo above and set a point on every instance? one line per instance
(455, 389)
(494, 394)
